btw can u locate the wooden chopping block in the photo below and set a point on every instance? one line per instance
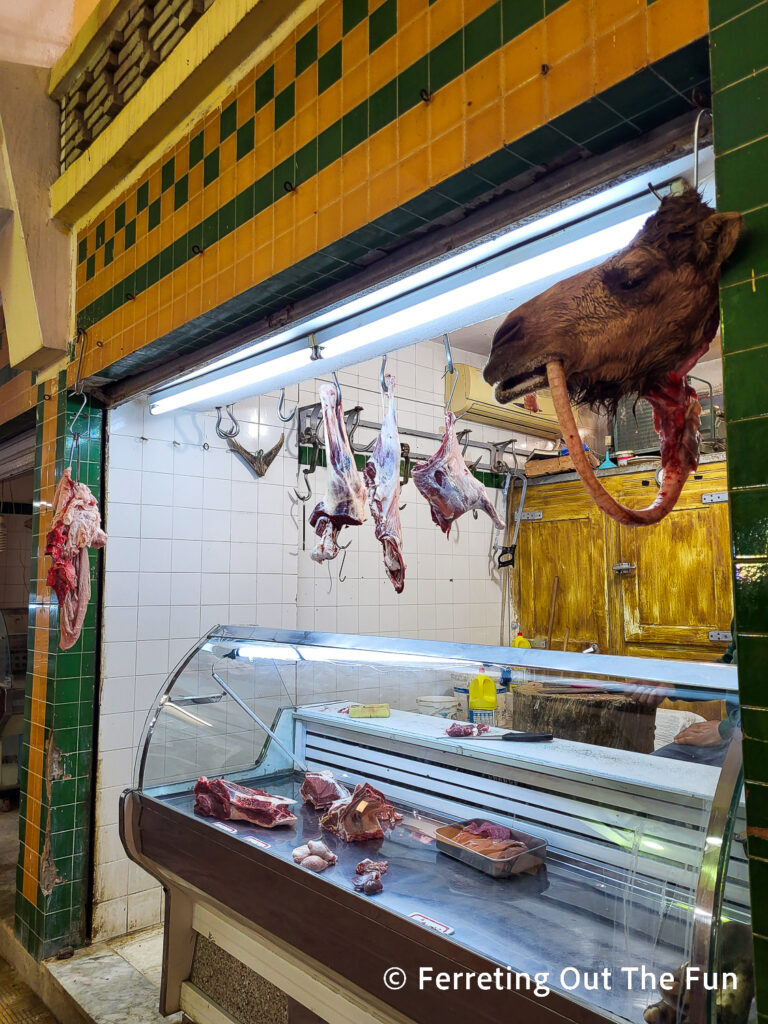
(602, 719)
(559, 464)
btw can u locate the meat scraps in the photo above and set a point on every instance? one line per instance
(367, 865)
(229, 801)
(466, 729)
(489, 840)
(447, 484)
(369, 883)
(345, 492)
(488, 830)
(359, 818)
(382, 473)
(76, 526)
(315, 856)
(320, 789)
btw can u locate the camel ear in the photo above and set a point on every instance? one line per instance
(716, 237)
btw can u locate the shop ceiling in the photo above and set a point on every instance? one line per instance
(477, 284)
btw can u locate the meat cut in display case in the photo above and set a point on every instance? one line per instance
(341, 838)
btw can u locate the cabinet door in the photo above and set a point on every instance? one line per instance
(679, 587)
(567, 542)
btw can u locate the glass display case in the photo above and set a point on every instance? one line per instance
(640, 869)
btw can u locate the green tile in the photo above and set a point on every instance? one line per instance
(749, 527)
(500, 167)
(306, 50)
(168, 174)
(90, 267)
(738, 47)
(181, 191)
(586, 121)
(109, 252)
(382, 107)
(745, 314)
(755, 723)
(153, 267)
(744, 380)
(724, 10)
(262, 193)
(265, 88)
(750, 258)
(329, 68)
(552, 5)
(411, 83)
(119, 218)
(755, 760)
(211, 167)
(637, 93)
(541, 146)
(285, 105)
(329, 145)
(306, 162)
(244, 208)
(753, 672)
(210, 230)
(153, 217)
(739, 112)
(748, 453)
(482, 35)
(352, 13)
(227, 218)
(100, 234)
(751, 598)
(196, 150)
(284, 174)
(605, 141)
(686, 67)
(142, 197)
(82, 250)
(228, 121)
(446, 61)
(245, 138)
(382, 25)
(354, 127)
(519, 15)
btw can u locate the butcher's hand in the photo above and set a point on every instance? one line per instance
(701, 734)
(650, 695)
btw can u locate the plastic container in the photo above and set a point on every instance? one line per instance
(531, 859)
(461, 693)
(437, 707)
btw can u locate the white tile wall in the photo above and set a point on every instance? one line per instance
(16, 556)
(194, 540)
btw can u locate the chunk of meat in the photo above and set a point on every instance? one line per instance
(487, 830)
(315, 856)
(229, 801)
(359, 818)
(345, 492)
(369, 883)
(459, 729)
(447, 484)
(371, 865)
(382, 473)
(76, 526)
(316, 864)
(320, 789)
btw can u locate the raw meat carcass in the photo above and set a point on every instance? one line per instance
(447, 484)
(76, 526)
(367, 865)
(359, 818)
(345, 492)
(229, 801)
(321, 790)
(382, 473)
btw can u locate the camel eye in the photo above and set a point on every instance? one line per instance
(628, 279)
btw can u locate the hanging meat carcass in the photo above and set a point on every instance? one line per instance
(345, 492)
(635, 324)
(447, 484)
(382, 473)
(76, 526)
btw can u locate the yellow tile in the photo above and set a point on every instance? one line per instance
(209, 291)
(383, 193)
(355, 47)
(354, 167)
(447, 155)
(245, 173)
(524, 110)
(243, 274)
(165, 290)
(284, 251)
(674, 23)
(354, 86)
(523, 57)
(408, 10)
(609, 13)
(329, 28)
(444, 20)
(484, 134)
(414, 173)
(382, 67)
(568, 29)
(306, 87)
(194, 303)
(620, 53)
(305, 238)
(263, 261)
(164, 321)
(570, 82)
(228, 152)
(383, 148)
(306, 125)
(329, 106)
(226, 185)
(244, 105)
(483, 84)
(194, 272)
(354, 209)
(413, 130)
(285, 214)
(285, 67)
(413, 44)
(329, 185)
(265, 157)
(305, 200)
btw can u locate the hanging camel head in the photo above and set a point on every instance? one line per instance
(635, 324)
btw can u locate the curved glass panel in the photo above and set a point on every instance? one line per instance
(613, 763)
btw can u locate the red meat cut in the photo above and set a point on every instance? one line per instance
(487, 830)
(228, 801)
(359, 818)
(321, 790)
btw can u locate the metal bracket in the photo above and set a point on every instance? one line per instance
(528, 516)
(717, 636)
(623, 568)
(714, 498)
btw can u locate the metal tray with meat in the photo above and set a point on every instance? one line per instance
(496, 850)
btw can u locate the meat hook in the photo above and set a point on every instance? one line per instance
(338, 389)
(343, 579)
(308, 495)
(405, 455)
(233, 431)
(382, 385)
(280, 404)
(701, 113)
(449, 368)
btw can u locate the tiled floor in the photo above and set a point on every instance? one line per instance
(18, 1004)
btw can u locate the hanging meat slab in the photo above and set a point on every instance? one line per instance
(382, 473)
(447, 484)
(345, 493)
(76, 526)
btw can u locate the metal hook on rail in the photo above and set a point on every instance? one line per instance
(338, 389)
(280, 404)
(307, 471)
(308, 495)
(449, 368)
(382, 382)
(701, 113)
(233, 431)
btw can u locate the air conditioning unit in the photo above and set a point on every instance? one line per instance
(473, 400)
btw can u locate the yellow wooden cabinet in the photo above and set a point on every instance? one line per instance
(649, 591)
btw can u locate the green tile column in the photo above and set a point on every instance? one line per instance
(739, 64)
(55, 821)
